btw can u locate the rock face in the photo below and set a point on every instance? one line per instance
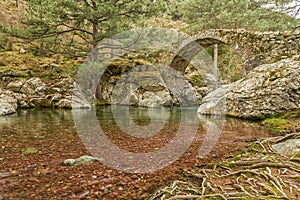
(267, 90)
(146, 86)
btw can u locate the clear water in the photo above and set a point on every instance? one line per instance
(48, 129)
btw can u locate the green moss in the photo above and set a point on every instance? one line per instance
(283, 123)
(231, 165)
(101, 102)
(278, 125)
(291, 114)
(29, 150)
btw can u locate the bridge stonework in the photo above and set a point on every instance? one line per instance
(254, 48)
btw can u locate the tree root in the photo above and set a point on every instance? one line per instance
(257, 174)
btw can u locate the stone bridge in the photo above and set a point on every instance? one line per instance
(254, 48)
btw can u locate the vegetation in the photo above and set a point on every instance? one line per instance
(283, 123)
(227, 14)
(50, 38)
(258, 173)
(75, 27)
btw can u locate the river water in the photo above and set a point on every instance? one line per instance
(139, 140)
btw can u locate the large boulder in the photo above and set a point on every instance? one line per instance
(267, 90)
(143, 87)
(147, 86)
(30, 87)
(8, 103)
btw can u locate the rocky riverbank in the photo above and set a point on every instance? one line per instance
(268, 169)
(33, 92)
(267, 90)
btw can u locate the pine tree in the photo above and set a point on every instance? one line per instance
(74, 27)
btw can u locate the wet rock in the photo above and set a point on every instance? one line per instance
(41, 102)
(73, 102)
(23, 101)
(8, 103)
(269, 89)
(289, 147)
(83, 160)
(65, 103)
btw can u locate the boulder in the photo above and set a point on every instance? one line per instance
(65, 103)
(28, 87)
(15, 86)
(147, 86)
(33, 86)
(8, 103)
(289, 147)
(155, 99)
(41, 102)
(144, 87)
(269, 89)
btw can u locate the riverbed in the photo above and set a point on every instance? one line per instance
(34, 143)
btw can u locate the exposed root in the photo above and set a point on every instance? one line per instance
(259, 173)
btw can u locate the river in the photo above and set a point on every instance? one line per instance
(34, 143)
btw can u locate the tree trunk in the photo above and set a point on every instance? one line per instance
(95, 32)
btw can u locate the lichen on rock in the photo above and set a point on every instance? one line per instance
(269, 89)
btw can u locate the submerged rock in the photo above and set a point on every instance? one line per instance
(289, 147)
(29, 150)
(267, 90)
(83, 160)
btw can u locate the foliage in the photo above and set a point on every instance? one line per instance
(291, 7)
(236, 14)
(76, 27)
(277, 124)
(229, 63)
(285, 122)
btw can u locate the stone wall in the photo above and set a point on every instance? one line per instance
(254, 48)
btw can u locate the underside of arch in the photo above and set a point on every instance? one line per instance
(182, 59)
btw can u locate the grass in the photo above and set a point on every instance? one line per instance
(277, 125)
(26, 65)
(283, 123)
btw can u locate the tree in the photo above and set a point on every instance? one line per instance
(237, 13)
(73, 26)
(291, 7)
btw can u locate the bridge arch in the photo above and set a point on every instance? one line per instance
(253, 48)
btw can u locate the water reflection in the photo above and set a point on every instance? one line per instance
(100, 146)
(180, 128)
